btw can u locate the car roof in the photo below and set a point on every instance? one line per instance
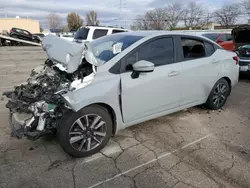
(152, 33)
(103, 27)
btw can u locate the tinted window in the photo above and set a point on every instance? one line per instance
(211, 36)
(229, 37)
(223, 37)
(99, 33)
(192, 48)
(82, 34)
(117, 31)
(159, 52)
(209, 48)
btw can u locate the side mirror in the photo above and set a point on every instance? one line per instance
(142, 67)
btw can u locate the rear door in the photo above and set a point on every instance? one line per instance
(154, 92)
(199, 69)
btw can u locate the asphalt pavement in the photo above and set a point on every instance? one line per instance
(194, 148)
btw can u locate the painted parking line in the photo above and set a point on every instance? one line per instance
(149, 162)
(110, 150)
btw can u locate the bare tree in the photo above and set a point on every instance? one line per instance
(194, 15)
(91, 18)
(65, 29)
(157, 19)
(54, 21)
(227, 15)
(74, 21)
(174, 13)
(246, 7)
(140, 24)
(152, 20)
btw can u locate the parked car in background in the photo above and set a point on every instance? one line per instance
(39, 35)
(223, 39)
(67, 36)
(89, 33)
(241, 39)
(86, 95)
(24, 35)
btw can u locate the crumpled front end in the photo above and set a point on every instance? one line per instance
(37, 105)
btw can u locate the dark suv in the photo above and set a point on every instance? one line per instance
(241, 39)
(24, 35)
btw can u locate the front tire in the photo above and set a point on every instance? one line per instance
(85, 132)
(218, 96)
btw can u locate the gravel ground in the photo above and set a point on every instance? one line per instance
(192, 148)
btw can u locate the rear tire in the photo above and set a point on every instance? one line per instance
(85, 132)
(218, 96)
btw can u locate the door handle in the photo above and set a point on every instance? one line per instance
(173, 73)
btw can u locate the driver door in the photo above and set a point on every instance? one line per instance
(152, 93)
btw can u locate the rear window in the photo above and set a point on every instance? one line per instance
(211, 36)
(99, 33)
(82, 34)
(117, 31)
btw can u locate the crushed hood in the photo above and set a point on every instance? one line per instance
(67, 54)
(241, 36)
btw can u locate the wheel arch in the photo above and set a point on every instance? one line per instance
(229, 82)
(111, 112)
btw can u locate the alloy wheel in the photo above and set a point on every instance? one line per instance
(87, 132)
(220, 94)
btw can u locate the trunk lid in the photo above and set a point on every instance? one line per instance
(241, 37)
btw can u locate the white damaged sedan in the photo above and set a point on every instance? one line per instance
(86, 94)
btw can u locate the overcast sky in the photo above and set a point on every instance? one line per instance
(108, 10)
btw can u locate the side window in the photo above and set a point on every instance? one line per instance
(209, 48)
(229, 37)
(99, 33)
(117, 31)
(192, 48)
(160, 52)
(26, 32)
(223, 37)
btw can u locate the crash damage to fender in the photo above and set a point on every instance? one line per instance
(37, 105)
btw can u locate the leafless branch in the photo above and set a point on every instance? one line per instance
(91, 18)
(194, 15)
(54, 20)
(227, 15)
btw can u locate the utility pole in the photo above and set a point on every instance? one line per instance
(120, 8)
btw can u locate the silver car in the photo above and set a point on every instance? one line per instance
(86, 94)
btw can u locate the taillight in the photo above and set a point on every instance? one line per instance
(11, 31)
(237, 59)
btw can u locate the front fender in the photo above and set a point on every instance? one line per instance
(105, 91)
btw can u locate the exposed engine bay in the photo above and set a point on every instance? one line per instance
(37, 105)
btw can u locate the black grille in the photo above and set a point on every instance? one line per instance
(241, 63)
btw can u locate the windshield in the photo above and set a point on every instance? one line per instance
(107, 47)
(245, 47)
(211, 36)
(81, 34)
